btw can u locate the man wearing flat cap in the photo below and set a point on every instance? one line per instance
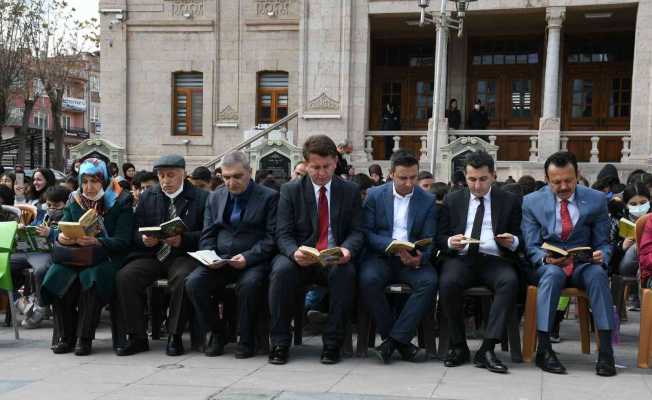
(155, 258)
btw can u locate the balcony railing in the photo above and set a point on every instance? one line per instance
(575, 137)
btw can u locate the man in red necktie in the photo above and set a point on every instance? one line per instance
(319, 210)
(567, 215)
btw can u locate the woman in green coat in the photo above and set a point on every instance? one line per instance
(79, 293)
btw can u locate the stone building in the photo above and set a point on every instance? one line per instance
(198, 77)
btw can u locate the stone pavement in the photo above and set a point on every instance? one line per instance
(29, 370)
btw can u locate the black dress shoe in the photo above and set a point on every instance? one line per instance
(487, 359)
(457, 356)
(547, 361)
(83, 347)
(133, 346)
(385, 350)
(606, 365)
(64, 346)
(214, 347)
(244, 351)
(175, 346)
(411, 353)
(279, 355)
(330, 355)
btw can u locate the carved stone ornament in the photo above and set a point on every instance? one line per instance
(272, 8)
(186, 8)
(323, 103)
(549, 124)
(228, 114)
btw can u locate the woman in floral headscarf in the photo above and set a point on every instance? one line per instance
(79, 293)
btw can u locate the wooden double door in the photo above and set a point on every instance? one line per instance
(510, 94)
(596, 97)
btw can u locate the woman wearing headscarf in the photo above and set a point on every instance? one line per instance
(79, 293)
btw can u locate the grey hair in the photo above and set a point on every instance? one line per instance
(235, 157)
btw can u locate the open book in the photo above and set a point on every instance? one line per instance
(471, 241)
(627, 229)
(29, 240)
(209, 258)
(582, 254)
(397, 245)
(325, 257)
(88, 225)
(166, 230)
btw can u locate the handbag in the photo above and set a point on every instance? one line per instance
(78, 256)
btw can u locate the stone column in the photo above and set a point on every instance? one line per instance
(550, 123)
(641, 112)
(439, 114)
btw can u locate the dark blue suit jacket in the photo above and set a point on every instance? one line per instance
(378, 221)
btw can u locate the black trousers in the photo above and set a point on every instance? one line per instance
(133, 280)
(76, 314)
(287, 277)
(204, 288)
(460, 273)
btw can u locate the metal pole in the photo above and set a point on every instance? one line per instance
(43, 120)
(440, 25)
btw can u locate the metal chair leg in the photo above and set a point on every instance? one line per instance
(14, 313)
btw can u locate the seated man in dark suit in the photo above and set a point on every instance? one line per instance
(491, 216)
(321, 211)
(567, 215)
(239, 225)
(155, 259)
(398, 210)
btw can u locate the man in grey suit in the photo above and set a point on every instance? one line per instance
(399, 210)
(568, 215)
(239, 224)
(322, 211)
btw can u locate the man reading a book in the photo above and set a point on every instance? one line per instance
(320, 211)
(399, 210)
(239, 225)
(158, 257)
(567, 215)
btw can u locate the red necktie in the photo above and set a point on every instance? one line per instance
(566, 228)
(322, 243)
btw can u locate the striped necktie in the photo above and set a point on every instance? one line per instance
(165, 249)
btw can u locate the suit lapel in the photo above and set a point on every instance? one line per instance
(580, 203)
(412, 211)
(311, 204)
(221, 204)
(550, 210)
(466, 199)
(389, 205)
(336, 195)
(495, 201)
(253, 199)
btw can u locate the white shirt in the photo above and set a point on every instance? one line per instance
(573, 210)
(331, 240)
(487, 235)
(401, 206)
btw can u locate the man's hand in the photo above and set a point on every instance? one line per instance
(174, 241)
(505, 240)
(87, 241)
(150, 241)
(410, 260)
(627, 243)
(302, 259)
(65, 240)
(238, 262)
(43, 231)
(346, 256)
(558, 261)
(598, 257)
(455, 242)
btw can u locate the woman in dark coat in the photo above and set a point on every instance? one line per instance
(79, 293)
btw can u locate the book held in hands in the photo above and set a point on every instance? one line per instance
(325, 257)
(209, 258)
(626, 229)
(397, 245)
(88, 225)
(166, 230)
(582, 254)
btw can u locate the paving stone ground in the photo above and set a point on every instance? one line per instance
(29, 370)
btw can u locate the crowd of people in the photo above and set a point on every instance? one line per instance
(368, 231)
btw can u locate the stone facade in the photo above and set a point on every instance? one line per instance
(325, 47)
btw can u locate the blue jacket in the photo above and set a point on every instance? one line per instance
(378, 218)
(539, 219)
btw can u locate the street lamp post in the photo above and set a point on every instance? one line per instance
(442, 22)
(43, 127)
